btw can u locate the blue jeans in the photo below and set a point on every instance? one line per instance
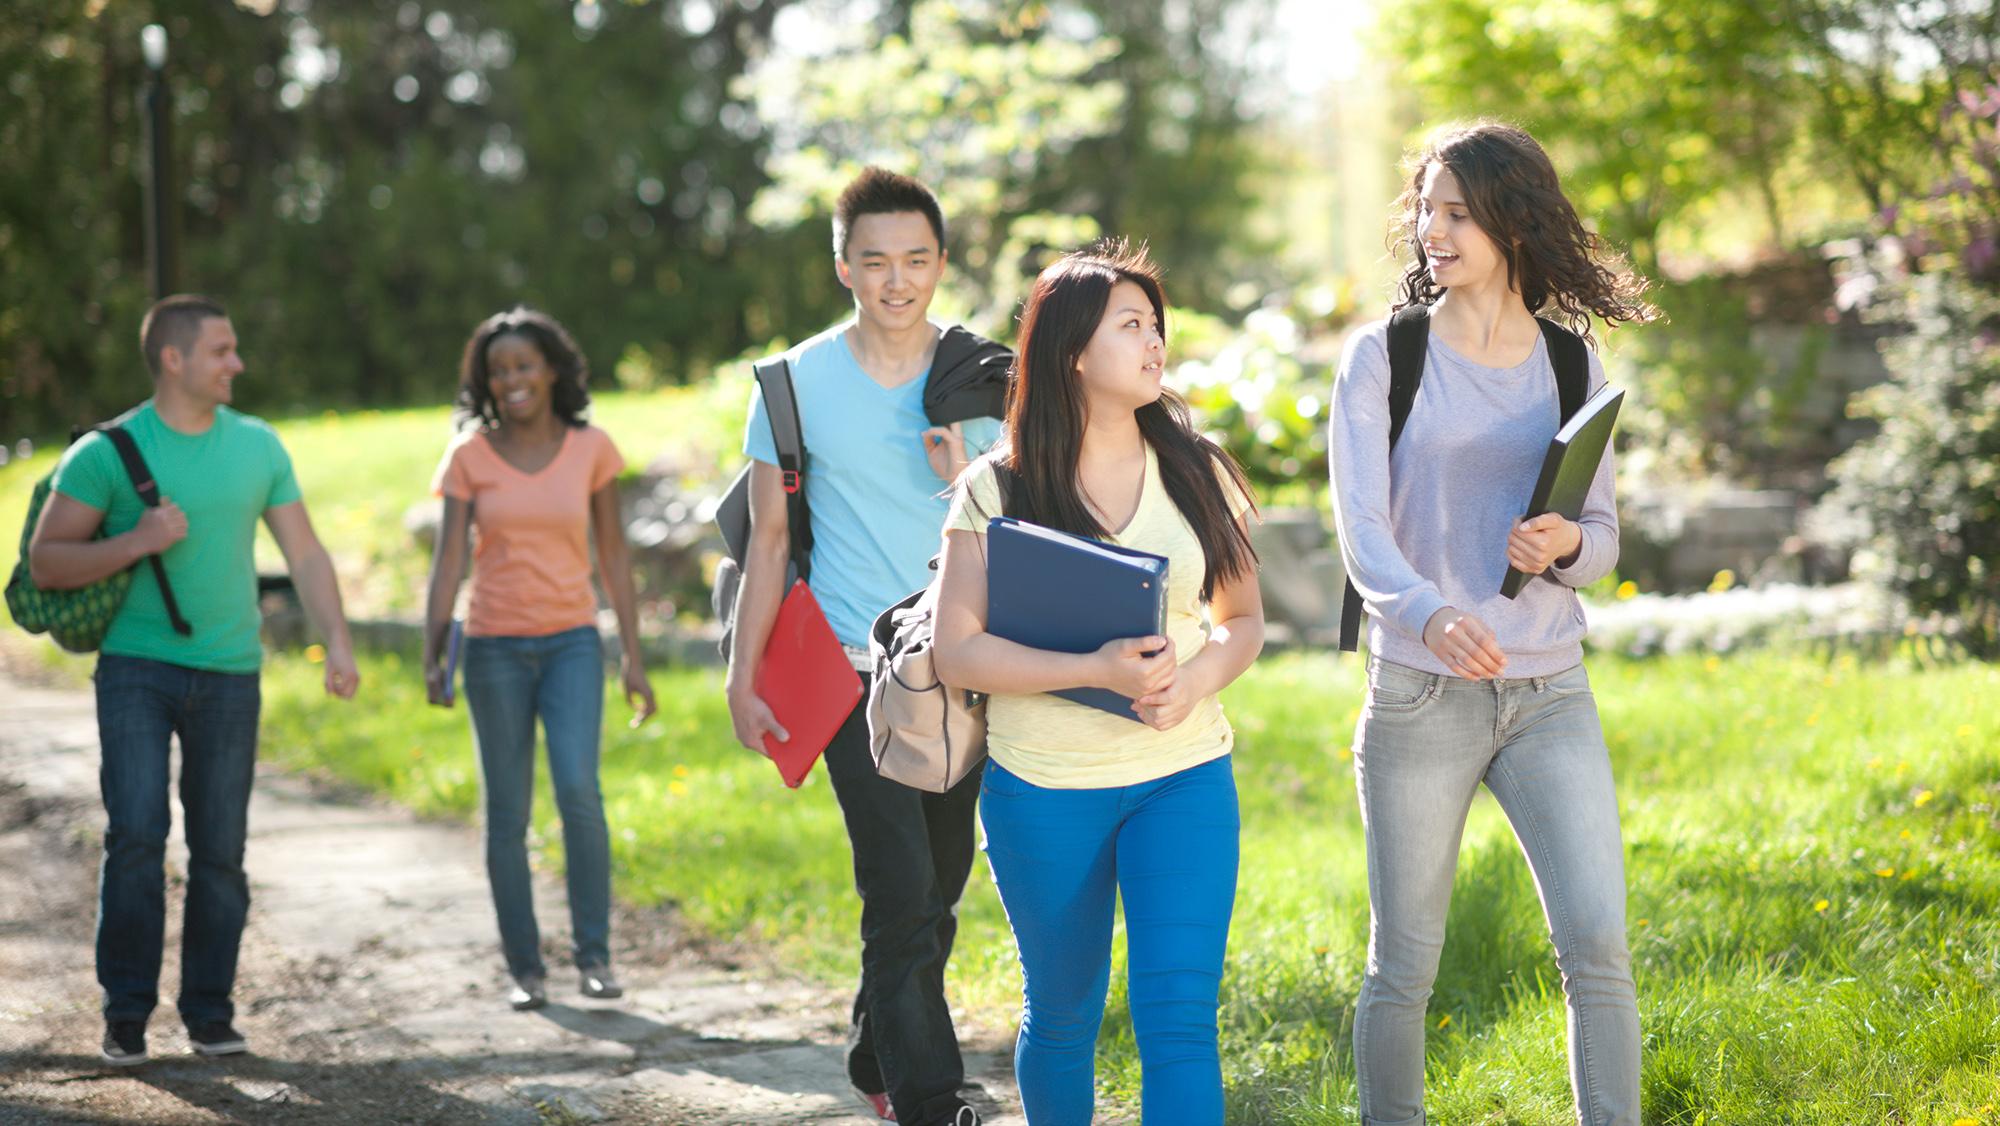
(140, 705)
(1061, 859)
(508, 682)
(1423, 745)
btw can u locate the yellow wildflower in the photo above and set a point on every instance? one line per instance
(1820, 906)
(680, 770)
(316, 654)
(1724, 579)
(1444, 1020)
(1712, 664)
(677, 788)
(1627, 589)
(1885, 873)
(1924, 798)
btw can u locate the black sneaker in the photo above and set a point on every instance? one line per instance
(125, 1042)
(217, 1038)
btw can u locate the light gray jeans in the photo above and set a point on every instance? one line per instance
(1423, 745)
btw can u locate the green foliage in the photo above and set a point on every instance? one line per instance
(1041, 126)
(1923, 495)
(1255, 394)
(361, 182)
(1652, 109)
(1814, 884)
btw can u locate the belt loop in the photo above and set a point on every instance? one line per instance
(1541, 683)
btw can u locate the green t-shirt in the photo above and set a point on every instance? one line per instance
(223, 479)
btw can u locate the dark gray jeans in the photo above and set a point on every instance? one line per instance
(1424, 744)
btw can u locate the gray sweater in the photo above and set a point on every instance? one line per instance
(1426, 527)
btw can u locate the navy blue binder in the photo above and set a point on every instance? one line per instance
(1051, 590)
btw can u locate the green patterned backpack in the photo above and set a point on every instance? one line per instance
(78, 619)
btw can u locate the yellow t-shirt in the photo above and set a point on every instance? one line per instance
(1055, 743)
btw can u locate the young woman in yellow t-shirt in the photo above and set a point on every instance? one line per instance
(1079, 805)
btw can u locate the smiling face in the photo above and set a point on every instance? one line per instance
(519, 377)
(1122, 366)
(206, 370)
(1456, 251)
(893, 265)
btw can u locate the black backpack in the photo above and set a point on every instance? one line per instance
(1409, 343)
(732, 514)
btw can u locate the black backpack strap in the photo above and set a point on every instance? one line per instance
(1571, 359)
(781, 406)
(149, 495)
(1409, 341)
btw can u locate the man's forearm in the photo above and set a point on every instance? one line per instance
(756, 610)
(69, 564)
(319, 593)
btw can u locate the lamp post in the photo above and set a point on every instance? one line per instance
(159, 164)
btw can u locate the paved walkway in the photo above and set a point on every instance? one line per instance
(370, 984)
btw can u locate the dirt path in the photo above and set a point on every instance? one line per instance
(370, 988)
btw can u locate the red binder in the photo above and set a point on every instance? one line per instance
(806, 680)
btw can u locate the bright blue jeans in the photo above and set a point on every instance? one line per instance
(140, 705)
(1061, 859)
(508, 682)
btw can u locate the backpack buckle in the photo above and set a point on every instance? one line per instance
(791, 480)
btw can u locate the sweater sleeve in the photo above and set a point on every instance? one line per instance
(1358, 457)
(1599, 519)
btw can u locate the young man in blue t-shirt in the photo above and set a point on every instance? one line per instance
(218, 472)
(876, 482)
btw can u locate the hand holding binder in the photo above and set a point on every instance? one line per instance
(805, 679)
(1051, 590)
(1570, 466)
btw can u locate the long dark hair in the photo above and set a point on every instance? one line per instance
(1045, 415)
(569, 398)
(1513, 194)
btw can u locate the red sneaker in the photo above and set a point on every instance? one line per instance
(878, 1103)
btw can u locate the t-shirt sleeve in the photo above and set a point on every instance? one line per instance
(86, 472)
(975, 499)
(757, 440)
(981, 435)
(452, 479)
(607, 463)
(284, 482)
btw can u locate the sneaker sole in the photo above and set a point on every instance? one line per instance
(225, 1048)
(124, 1061)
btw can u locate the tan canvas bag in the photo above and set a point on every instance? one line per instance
(922, 732)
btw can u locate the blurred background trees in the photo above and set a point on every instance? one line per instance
(364, 180)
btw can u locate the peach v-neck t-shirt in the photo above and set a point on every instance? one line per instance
(530, 531)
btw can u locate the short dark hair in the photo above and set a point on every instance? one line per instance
(569, 398)
(878, 191)
(174, 322)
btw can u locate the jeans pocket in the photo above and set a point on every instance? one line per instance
(1000, 782)
(1572, 681)
(1394, 689)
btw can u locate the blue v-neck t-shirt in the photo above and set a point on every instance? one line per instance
(877, 509)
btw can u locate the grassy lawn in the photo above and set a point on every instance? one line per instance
(1813, 860)
(362, 470)
(1813, 847)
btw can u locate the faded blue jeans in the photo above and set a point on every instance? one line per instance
(508, 682)
(1423, 745)
(141, 705)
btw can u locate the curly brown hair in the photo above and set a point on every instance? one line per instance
(1513, 194)
(569, 398)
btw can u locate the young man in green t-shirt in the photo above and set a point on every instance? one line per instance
(218, 472)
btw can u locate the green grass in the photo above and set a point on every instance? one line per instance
(362, 470)
(1783, 978)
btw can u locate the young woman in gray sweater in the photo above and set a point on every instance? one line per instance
(1466, 686)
